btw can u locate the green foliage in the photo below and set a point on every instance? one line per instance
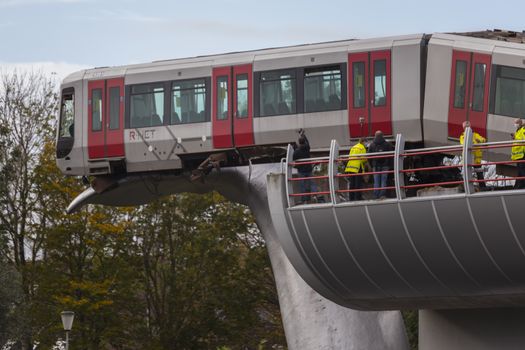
(28, 104)
(411, 324)
(206, 272)
(9, 292)
(87, 265)
(185, 272)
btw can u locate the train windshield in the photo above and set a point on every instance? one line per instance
(67, 114)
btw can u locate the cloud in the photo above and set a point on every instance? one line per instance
(59, 70)
(129, 16)
(122, 16)
(15, 3)
(287, 32)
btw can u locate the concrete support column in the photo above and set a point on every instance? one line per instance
(480, 329)
(311, 321)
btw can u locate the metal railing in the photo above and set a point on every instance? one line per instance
(326, 183)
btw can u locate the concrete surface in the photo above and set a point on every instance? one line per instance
(476, 329)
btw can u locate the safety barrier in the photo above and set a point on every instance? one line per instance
(325, 186)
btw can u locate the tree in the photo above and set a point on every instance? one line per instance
(87, 265)
(9, 293)
(205, 274)
(411, 323)
(185, 272)
(28, 104)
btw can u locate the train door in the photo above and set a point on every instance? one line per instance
(469, 92)
(232, 116)
(369, 95)
(106, 118)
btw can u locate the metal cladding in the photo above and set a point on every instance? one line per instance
(450, 251)
(457, 251)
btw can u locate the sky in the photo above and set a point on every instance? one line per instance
(63, 36)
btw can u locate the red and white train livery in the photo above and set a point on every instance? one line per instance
(171, 114)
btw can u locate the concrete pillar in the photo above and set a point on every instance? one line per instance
(480, 329)
(311, 321)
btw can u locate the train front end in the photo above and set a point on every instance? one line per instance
(69, 138)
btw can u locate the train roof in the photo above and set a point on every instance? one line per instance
(486, 39)
(479, 42)
(497, 34)
(232, 58)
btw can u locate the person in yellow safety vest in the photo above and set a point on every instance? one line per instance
(518, 152)
(354, 166)
(477, 153)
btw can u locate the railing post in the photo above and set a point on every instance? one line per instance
(333, 170)
(399, 177)
(467, 159)
(288, 174)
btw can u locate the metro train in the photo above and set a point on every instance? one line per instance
(172, 115)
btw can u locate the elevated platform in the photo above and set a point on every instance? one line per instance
(445, 251)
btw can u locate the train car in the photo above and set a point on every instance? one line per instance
(170, 115)
(480, 79)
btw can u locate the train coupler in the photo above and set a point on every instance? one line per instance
(204, 168)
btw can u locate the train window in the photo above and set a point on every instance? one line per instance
(322, 89)
(67, 114)
(242, 95)
(114, 108)
(380, 83)
(222, 98)
(479, 87)
(188, 101)
(358, 69)
(147, 105)
(96, 110)
(460, 84)
(509, 99)
(277, 93)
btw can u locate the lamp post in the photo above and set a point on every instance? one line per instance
(67, 322)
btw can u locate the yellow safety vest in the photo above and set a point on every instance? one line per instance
(355, 165)
(476, 138)
(518, 150)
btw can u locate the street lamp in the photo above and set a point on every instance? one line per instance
(67, 322)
